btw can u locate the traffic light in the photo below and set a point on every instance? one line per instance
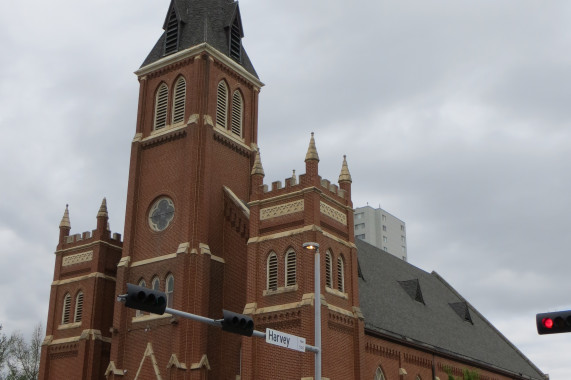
(144, 299)
(237, 323)
(553, 323)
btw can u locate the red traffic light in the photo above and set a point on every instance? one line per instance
(553, 323)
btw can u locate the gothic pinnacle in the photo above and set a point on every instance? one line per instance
(257, 168)
(65, 220)
(103, 209)
(345, 176)
(312, 150)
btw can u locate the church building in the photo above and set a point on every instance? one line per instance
(203, 227)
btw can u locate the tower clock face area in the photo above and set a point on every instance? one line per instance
(161, 214)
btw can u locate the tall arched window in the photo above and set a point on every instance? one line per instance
(179, 100)
(222, 104)
(340, 274)
(290, 268)
(328, 279)
(161, 103)
(379, 375)
(78, 307)
(142, 283)
(66, 309)
(170, 290)
(237, 113)
(272, 270)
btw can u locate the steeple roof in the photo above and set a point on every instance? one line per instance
(215, 22)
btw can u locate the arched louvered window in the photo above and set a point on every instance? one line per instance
(170, 290)
(340, 274)
(156, 284)
(66, 309)
(78, 307)
(171, 38)
(142, 283)
(179, 100)
(222, 104)
(328, 279)
(161, 103)
(379, 375)
(237, 113)
(290, 268)
(235, 41)
(272, 270)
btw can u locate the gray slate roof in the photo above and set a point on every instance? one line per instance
(203, 21)
(440, 323)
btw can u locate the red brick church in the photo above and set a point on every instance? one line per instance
(202, 226)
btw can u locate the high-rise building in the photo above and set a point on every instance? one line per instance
(201, 226)
(381, 229)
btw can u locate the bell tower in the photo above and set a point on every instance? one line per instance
(186, 221)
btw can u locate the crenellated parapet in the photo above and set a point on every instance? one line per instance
(300, 202)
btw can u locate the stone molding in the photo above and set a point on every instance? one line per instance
(281, 210)
(333, 213)
(77, 258)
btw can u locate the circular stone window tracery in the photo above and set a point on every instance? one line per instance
(161, 214)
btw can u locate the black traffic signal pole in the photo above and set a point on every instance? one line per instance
(209, 321)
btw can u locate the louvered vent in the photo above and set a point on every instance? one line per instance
(235, 41)
(179, 101)
(221, 104)
(328, 281)
(161, 107)
(291, 269)
(237, 114)
(272, 272)
(461, 308)
(171, 39)
(66, 309)
(78, 307)
(340, 275)
(412, 288)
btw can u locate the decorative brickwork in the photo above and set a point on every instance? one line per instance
(77, 258)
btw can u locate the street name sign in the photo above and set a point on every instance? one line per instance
(282, 339)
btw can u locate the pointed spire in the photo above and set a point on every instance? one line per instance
(345, 176)
(257, 168)
(103, 209)
(65, 220)
(312, 150)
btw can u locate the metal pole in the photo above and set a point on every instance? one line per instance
(317, 316)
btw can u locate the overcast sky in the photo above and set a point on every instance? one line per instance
(454, 115)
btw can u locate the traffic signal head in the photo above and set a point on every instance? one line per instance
(144, 299)
(237, 323)
(553, 323)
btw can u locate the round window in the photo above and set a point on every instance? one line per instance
(161, 214)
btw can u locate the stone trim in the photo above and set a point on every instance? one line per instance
(68, 326)
(149, 353)
(88, 245)
(111, 369)
(300, 193)
(173, 362)
(237, 201)
(280, 290)
(77, 258)
(85, 334)
(202, 363)
(336, 292)
(149, 317)
(154, 260)
(81, 278)
(333, 213)
(297, 231)
(281, 210)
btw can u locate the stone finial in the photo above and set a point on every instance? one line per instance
(257, 168)
(293, 178)
(65, 220)
(312, 150)
(345, 176)
(103, 209)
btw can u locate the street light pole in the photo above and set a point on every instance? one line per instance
(317, 300)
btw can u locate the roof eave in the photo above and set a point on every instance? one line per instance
(193, 51)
